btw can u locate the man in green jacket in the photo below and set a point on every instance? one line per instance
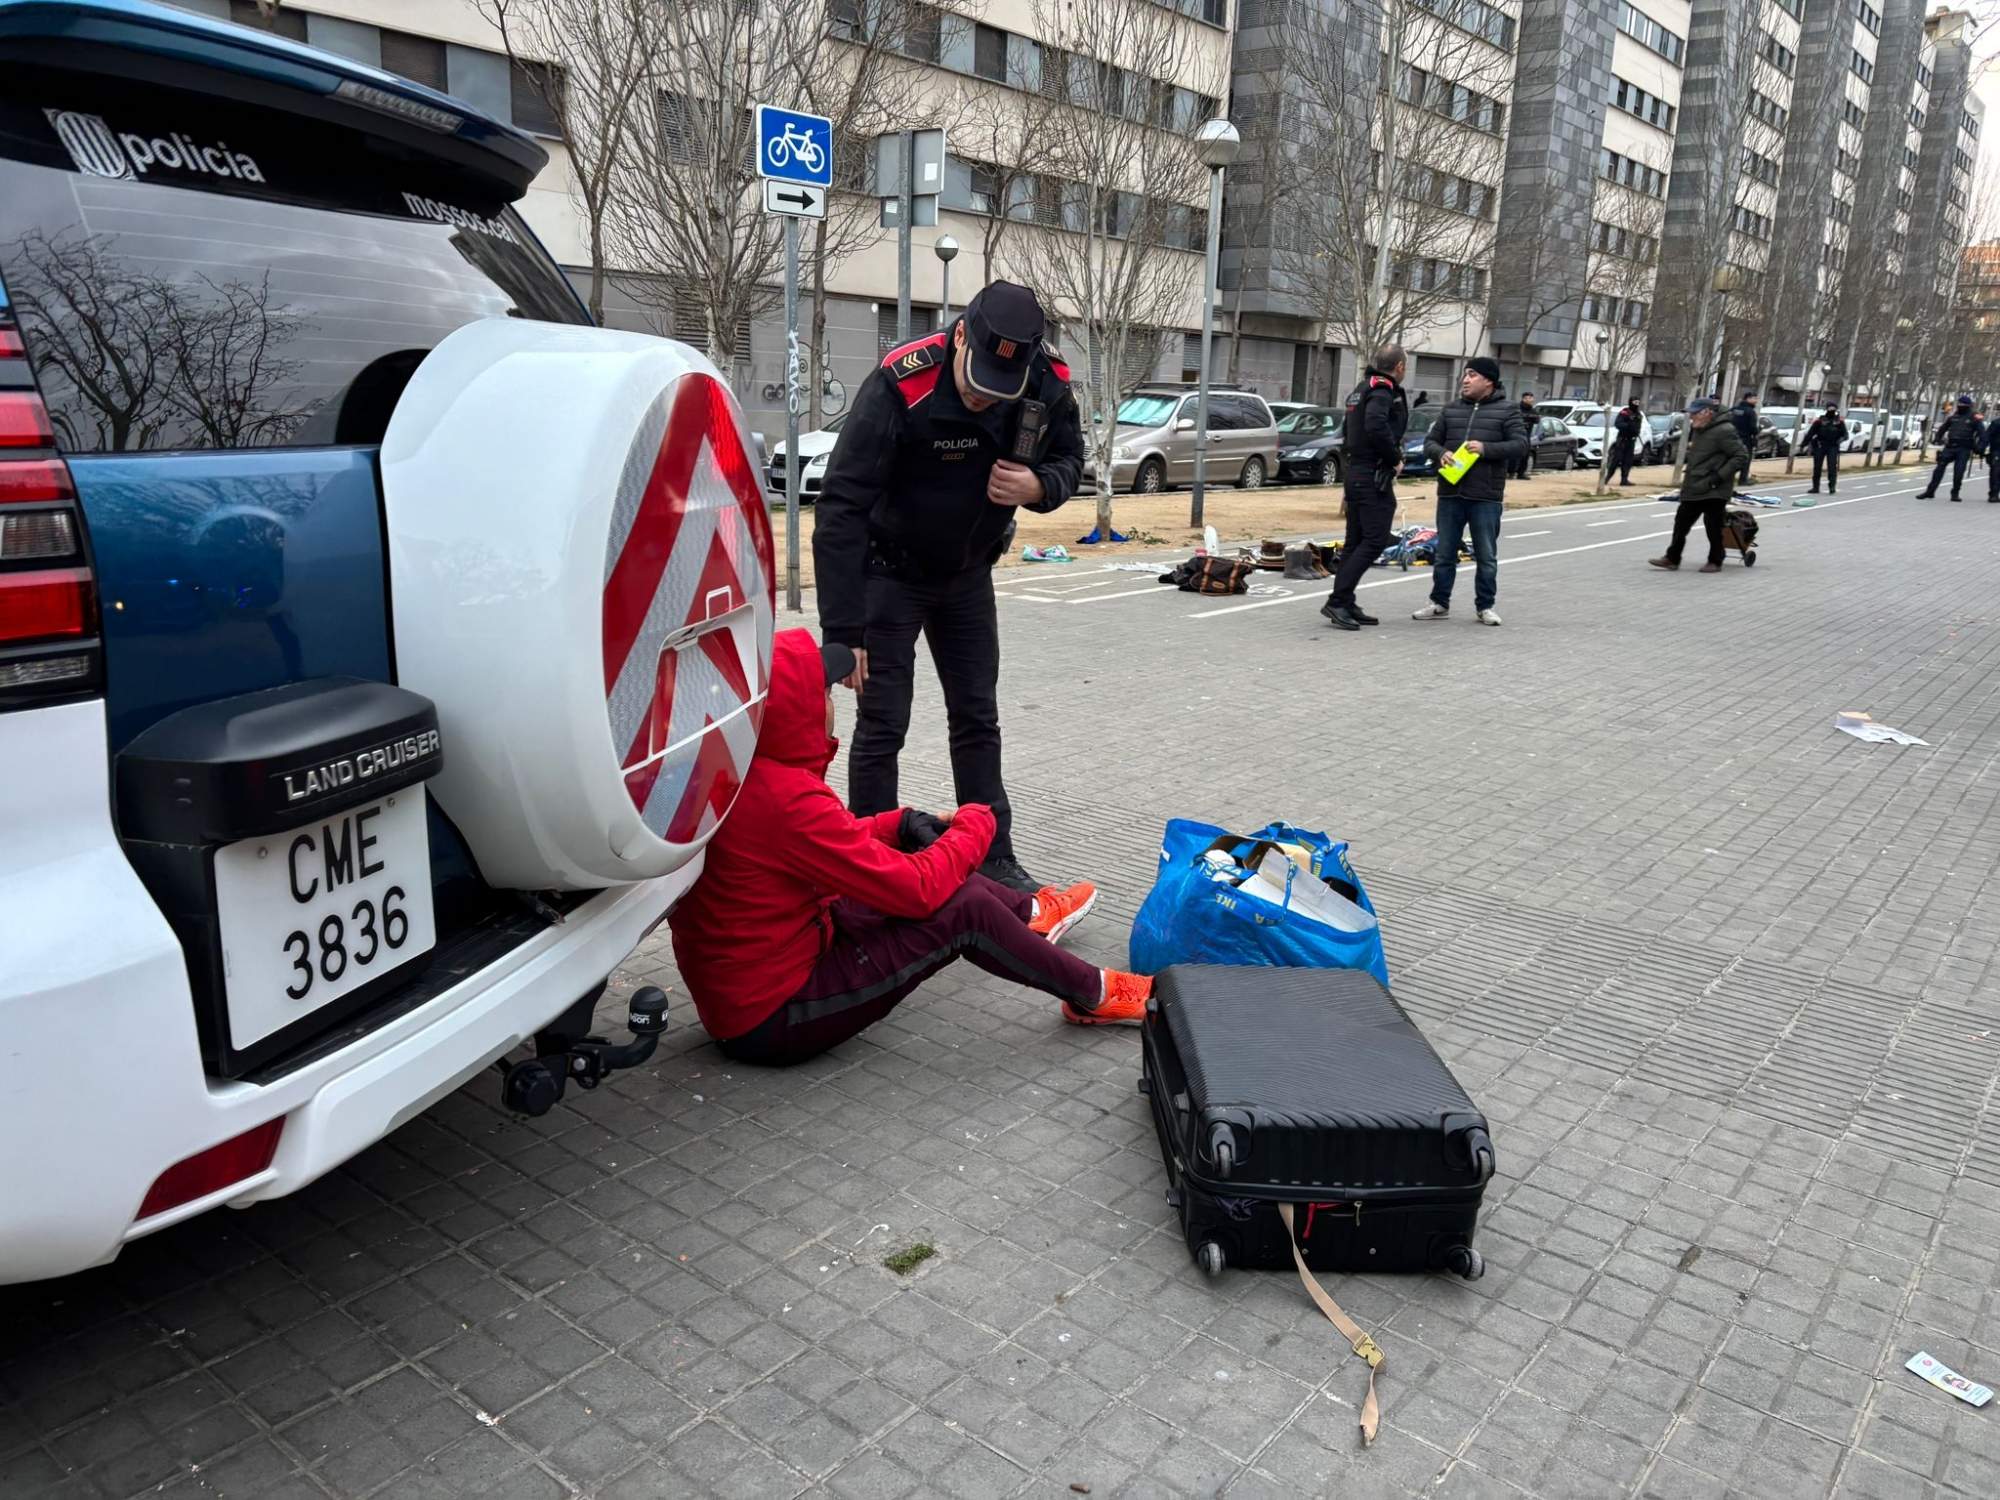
(1715, 455)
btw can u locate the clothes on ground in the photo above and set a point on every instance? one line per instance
(754, 927)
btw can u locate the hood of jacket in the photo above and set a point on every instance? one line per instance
(794, 730)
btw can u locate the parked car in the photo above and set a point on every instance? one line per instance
(1309, 445)
(1283, 409)
(1784, 424)
(815, 448)
(1555, 444)
(1664, 432)
(1155, 439)
(315, 658)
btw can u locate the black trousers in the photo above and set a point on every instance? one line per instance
(1832, 463)
(1370, 509)
(1623, 454)
(957, 618)
(1956, 459)
(1711, 514)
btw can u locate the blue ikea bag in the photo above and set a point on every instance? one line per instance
(1201, 909)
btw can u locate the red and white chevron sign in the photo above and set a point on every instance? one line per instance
(688, 611)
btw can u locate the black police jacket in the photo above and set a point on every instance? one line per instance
(1378, 417)
(906, 483)
(1627, 424)
(1826, 435)
(1959, 430)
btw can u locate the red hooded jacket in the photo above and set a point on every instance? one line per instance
(748, 934)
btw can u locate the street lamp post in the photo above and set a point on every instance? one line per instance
(1216, 143)
(947, 252)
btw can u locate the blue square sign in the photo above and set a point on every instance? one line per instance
(793, 147)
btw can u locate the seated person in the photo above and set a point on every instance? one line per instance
(808, 923)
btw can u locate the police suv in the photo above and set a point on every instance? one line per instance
(379, 641)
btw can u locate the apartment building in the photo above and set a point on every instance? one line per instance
(1004, 57)
(1946, 159)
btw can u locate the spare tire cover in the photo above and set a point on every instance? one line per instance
(581, 579)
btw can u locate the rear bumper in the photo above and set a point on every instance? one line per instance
(97, 1031)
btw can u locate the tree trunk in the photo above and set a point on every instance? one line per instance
(596, 298)
(1236, 334)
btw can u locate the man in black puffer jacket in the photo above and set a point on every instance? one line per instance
(1483, 421)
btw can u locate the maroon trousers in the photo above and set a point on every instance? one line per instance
(876, 962)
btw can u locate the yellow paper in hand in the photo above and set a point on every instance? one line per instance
(1455, 466)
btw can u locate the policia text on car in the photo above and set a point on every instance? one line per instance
(947, 438)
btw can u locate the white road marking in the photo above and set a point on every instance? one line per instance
(1416, 574)
(1616, 521)
(1524, 535)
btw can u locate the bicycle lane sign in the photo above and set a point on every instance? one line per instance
(794, 147)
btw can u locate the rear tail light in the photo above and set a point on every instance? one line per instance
(218, 1167)
(48, 597)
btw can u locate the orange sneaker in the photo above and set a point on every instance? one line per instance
(1058, 911)
(1124, 1002)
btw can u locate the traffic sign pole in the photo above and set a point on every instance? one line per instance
(792, 414)
(906, 148)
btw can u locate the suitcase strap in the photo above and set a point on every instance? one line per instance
(1364, 1346)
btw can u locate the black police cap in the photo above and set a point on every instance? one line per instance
(1003, 327)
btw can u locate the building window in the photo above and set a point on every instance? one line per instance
(1636, 101)
(1854, 114)
(989, 53)
(1870, 17)
(1924, 76)
(537, 93)
(923, 34)
(1779, 56)
(285, 23)
(1644, 30)
(985, 188)
(417, 58)
(1969, 124)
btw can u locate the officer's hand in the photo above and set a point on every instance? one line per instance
(1012, 484)
(858, 678)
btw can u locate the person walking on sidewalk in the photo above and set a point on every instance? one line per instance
(1490, 426)
(1625, 449)
(1824, 440)
(1715, 456)
(1956, 438)
(1378, 413)
(1990, 440)
(1743, 417)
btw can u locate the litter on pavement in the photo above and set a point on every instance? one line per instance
(1056, 554)
(1945, 1378)
(1863, 727)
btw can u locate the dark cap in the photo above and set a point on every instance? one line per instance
(1832, 408)
(1703, 403)
(1964, 399)
(838, 661)
(1003, 328)
(1481, 365)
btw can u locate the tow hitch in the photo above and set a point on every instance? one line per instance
(535, 1087)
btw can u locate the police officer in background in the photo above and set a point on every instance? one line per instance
(1958, 435)
(1378, 415)
(946, 440)
(1824, 440)
(1992, 446)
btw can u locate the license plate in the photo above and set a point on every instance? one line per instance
(314, 913)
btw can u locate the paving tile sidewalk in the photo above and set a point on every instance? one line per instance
(1719, 975)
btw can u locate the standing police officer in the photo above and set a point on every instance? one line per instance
(1824, 440)
(946, 440)
(1378, 415)
(1957, 437)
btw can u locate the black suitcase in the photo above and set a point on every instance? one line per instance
(1310, 1087)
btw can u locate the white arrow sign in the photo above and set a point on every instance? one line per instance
(792, 198)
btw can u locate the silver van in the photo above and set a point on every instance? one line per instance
(1154, 445)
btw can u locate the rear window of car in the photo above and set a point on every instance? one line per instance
(193, 273)
(1146, 411)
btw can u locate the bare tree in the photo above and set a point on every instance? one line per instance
(1623, 271)
(591, 62)
(1404, 242)
(1122, 173)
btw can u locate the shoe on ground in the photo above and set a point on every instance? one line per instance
(1711, 567)
(1341, 617)
(1927, 494)
(1122, 1004)
(1956, 498)
(1363, 616)
(1662, 562)
(1813, 491)
(1007, 871)
(1056, 912)
(1489, 617)
(1432, 612)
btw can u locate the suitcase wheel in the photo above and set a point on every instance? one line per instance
(1145, 1084)
(1222, 1150)
(1210, 1258)
(1749, 559)
(1463, 1260)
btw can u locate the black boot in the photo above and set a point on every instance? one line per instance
(1341, 616)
